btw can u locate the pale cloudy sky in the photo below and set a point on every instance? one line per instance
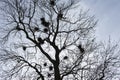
(108, 14)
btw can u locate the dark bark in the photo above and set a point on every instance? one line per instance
(57, 72)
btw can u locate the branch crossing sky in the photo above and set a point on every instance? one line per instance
(108, 14)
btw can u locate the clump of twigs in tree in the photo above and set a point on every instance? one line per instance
(52, 3)
(49, 75)
(45, 30)
(65, 57)
(50, 68)
(81, 48)
(24, 48)
(41, 41)
(44, 22)
(45, 64)
(36, 29)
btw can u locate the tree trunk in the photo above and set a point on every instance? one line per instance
(57, 72)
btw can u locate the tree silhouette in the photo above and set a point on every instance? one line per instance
(46, 40)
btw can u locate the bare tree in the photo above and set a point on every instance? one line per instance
(52, 40)
(107, 64)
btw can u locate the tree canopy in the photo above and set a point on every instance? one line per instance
(53, 40)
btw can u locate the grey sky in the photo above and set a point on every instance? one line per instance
(108, 13)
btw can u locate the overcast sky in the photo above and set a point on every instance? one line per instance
(108, 14)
